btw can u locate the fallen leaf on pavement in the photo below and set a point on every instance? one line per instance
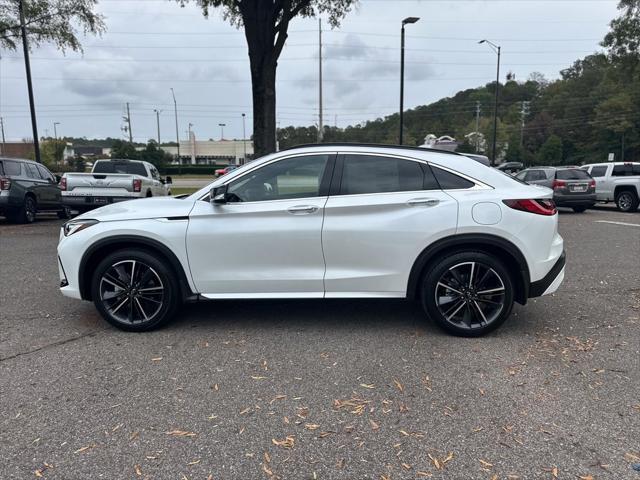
(181, 433)
(138, 471)
(84, 449)
(286, 443)
(398, 385)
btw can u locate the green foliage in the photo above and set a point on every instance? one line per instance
(624, 38)
(466, 147)
(49, 21)
(151, 153)
(551, 152)
(52, 151)
(122, 149)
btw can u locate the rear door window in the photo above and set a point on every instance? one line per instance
(10, 168)
(379, 174)
(46, 174)
(600, 171)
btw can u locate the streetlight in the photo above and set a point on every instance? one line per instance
(192, 143)
(406, 21)
(222, 125)
(158, 112)
(175, 109)
(244, 139)
(495, 48)
(55, 134)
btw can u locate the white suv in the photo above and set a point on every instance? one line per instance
(325, 221)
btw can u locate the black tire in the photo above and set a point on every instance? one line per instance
(579, 209)
(627, 201)
(65, 213)
(464, 310)
(140, 310)
(27, 212)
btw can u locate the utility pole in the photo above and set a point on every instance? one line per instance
(175, 110)
(222, 125)
(3, 142)
(244, 139)
(478, 126)
(406, 21)
(55, 134)
(523, 114)
(27, 66)
(128, 120)
(320, 121)
(158, 123)
(497, 49)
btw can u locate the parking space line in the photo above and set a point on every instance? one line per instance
(619, 223)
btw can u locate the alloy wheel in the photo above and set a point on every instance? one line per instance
(625, 201)
(29, 210)
(131, 292)
(470, 295)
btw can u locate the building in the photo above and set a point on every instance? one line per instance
(210, 152)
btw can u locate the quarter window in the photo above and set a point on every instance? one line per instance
(297, 177)
(46, 174)
(450, 181)
(377, 174)
(11, 168)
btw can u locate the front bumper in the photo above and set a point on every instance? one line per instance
(552, 280)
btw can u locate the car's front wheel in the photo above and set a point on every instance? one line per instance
(134, 290)
(468, 293)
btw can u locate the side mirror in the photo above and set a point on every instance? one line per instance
(218, 195)
(168, 180)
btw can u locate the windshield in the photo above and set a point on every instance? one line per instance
(130, 168)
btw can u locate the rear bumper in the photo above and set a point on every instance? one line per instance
(552, 280)
(575, 200)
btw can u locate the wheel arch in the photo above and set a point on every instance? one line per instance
(624, 188)
(506, 251)
(104, 247)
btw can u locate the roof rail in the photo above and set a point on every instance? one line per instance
(373, 145)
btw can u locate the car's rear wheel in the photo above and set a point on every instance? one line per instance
(468, 293)
(579, 209)
(627, 201)
(134, 290)
(65, 213)
(26, 213)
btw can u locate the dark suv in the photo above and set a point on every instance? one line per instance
(27, 188)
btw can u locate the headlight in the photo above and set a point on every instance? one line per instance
(74, 226)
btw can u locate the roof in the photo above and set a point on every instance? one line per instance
(371, 145)
(18, 159)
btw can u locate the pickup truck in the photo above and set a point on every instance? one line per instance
(112, 181)
(618, 182)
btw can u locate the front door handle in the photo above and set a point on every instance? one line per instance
(302, 209)
(423, 202)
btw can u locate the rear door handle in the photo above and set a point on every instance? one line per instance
(302, 209)
(423, 202)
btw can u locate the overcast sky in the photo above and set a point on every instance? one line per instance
(152, 45)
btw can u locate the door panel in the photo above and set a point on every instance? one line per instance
(266, 242)
(371, 241)
(257, 249)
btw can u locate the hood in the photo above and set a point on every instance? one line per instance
(155, 207)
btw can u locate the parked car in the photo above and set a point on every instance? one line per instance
(223, 171)
(618, 182)
(510, 167)
(325, 221)
(572, 187)
(27, 188)
(112, 181)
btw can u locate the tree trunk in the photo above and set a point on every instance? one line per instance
(263, 80)
(259, 19)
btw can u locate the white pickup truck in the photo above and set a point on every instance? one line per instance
(618, 182)
(112, 181)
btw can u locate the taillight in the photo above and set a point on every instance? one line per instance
(592, 183)
(539, 207)
(137, 185)
(558, 184)
(63, 183)
(5, 183)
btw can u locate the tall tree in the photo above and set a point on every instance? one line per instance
(48, 21)
(266, 23)
(624, 37)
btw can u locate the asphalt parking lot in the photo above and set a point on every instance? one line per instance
(325, 390)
